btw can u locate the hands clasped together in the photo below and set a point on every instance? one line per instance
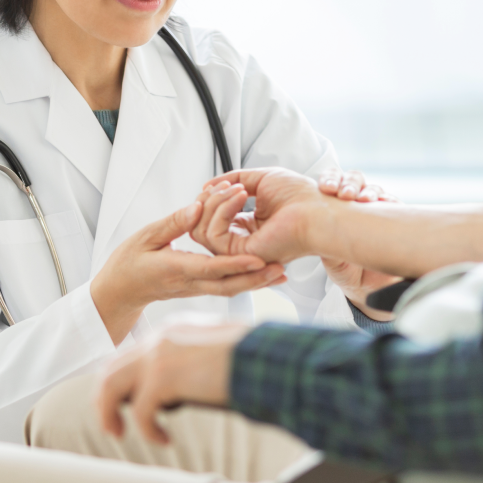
(293, 218)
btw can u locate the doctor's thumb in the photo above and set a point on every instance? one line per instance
(175, 225)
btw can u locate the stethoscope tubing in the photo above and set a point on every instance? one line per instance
(15, 165)
(45, 229)
(19, 176)
(205, 96)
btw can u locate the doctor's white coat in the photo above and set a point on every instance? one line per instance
(95, 194)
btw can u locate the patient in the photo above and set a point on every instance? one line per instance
(381, 400)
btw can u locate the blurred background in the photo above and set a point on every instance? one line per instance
(396, 85)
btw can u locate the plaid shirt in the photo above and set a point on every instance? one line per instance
(380, 400)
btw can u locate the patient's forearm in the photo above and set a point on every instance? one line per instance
(401, 239)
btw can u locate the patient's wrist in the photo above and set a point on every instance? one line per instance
(323, 235)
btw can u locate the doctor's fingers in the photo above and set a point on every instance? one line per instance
(233, 285)
(352, 184)
(370, 193)
(162, 232)
(376, 193)
(389, 198)
(329, 181)
(194, 266)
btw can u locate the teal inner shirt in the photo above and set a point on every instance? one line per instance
(108, 121)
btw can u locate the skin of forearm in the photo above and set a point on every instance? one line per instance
(118, 317)
(404, 240)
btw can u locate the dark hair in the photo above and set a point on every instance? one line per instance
(14, 14)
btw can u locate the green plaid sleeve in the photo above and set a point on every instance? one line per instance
(379, 400)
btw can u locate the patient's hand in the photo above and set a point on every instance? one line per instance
(186, 364)
(286, 204)
(290, 221)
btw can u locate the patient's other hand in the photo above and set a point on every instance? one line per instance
(186, 364)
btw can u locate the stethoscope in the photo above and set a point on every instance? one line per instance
(18, 175)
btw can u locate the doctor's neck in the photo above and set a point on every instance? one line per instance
(94, 66)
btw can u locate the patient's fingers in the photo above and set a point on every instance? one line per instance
(208, 190)
(149, 398)
(218, 231)
(219, 195)
(249, 178)
(351, 185)
(329, 181)
(376, 193)
(115, 388)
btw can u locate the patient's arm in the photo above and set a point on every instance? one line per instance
(400, 239)
(385, 401)
(294, 219)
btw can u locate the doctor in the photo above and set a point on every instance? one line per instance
(114, 138)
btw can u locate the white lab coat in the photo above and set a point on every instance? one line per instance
(95, 194)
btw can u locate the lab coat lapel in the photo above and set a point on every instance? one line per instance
(72, 127)
(74, 130)
(141, 132)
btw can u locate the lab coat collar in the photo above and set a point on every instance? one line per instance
(150, 67)
(28, 73)
(26, 66)
(28, 69)
(116, 171)
(72, 127)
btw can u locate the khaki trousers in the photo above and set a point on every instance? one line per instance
(202, 440)
(208, 446)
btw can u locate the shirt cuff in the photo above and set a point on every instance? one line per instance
(372, 326)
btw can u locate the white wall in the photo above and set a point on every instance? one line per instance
(394, 84)
(397, 85)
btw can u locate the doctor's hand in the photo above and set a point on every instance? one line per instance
(145, 268)
(351, 186)
(357, 283)
(186, 364)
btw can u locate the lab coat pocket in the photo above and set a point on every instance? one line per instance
(28, 278)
